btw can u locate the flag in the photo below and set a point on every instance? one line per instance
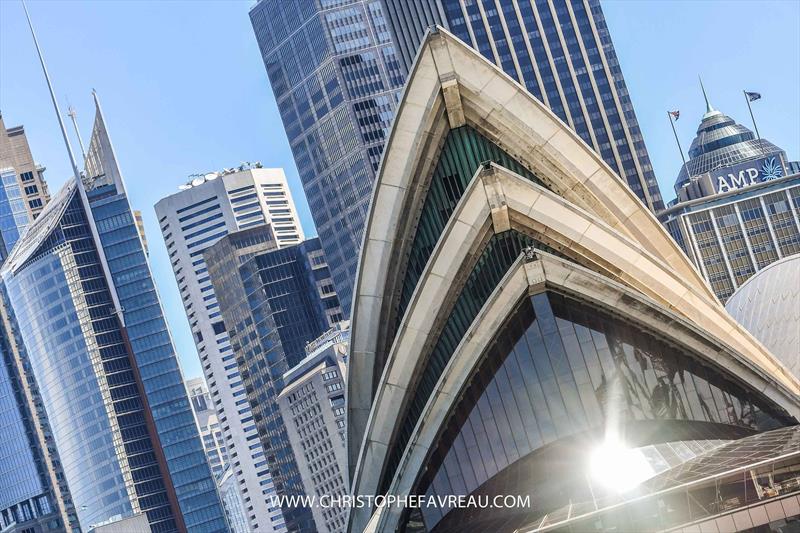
(752, 96)
(675, 114)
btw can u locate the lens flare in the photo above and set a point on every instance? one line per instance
(617, 467)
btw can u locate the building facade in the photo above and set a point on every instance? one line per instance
(273, 302)
(312, 405)
(208, 424)
(524, 312)
(232, 500)
(336, 79)
(738, 204)
(98, 346)
(17, 168)
(561, 52)
(33, 494)
(202, 212)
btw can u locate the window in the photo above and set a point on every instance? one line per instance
(26, 176)
(36, 202)
(31, 189)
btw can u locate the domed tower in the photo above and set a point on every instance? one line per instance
(721, 143)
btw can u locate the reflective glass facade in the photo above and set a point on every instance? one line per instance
(98, 345)
(13, 214)
(66, 362)
(560, 368)
(273, 302)
(113, 394)
(156, 362)
(747, 485)
(23, 490)
(336, 79)
(561, 51)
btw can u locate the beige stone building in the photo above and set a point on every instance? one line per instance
(16, 159)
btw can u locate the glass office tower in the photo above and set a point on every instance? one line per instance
(273, 303)
(33, 495)
(561, 52)
(103, 359)
(336, 79)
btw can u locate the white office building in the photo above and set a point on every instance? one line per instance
(312, 405)
(202, 212)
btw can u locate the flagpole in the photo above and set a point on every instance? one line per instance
(678, 142)
(755, 126)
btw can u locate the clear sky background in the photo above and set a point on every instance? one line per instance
(184, 90)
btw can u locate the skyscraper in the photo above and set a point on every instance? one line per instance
(217, 454)
(33, 493)
(208, 424)
(99, 349)
(23, 190)
(562, 53)
(738, 204)
(272, 302)
(336, 79)
(312, 405)
(206, 209)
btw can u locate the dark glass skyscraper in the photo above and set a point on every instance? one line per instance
(561, 51)
(273, 302)
(99, 349)
(336, 79)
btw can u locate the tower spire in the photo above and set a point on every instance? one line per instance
(53, 97)
(709, 108)
(73, 115)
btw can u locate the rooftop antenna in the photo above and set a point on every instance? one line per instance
(79, 185)
(53, 97)
(72, 114)
(709, 108)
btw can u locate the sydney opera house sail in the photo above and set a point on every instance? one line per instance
(517, 305)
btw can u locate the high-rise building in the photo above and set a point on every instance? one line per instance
(23, 190)
(336, 80)
(33, 493)
(206, 209)
(137, 216)
(538, 333)
(217, 454)
(273, 301)
(98, 346)
(561, 52)
(312, 405)
(234, 506)
(738, 204)
(209, 426)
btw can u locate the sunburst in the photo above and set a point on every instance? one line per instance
(771, 169)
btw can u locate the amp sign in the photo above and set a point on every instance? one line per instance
(749, 173)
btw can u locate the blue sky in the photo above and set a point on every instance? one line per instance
(184, 89)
